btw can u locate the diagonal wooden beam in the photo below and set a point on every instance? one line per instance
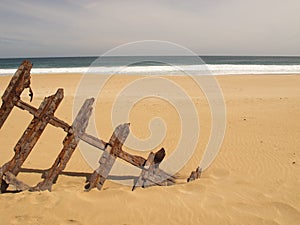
(70, 143)
(144, 174)
(111, 152)
(19, 81)
(9, 178)
(151, 174)
(134, 160)
(54, 121)
(31, 135)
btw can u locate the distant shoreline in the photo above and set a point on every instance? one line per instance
(159, 65)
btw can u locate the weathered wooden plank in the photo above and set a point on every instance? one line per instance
(159, 177)
(111, 152)
(195, 174)
(9, 178)
(93, 141)
(152, 174)
(144, 174)
(19, 81)
(70, 143)
(134, 160)
(159, 156)
(32, 134)
(53, 120)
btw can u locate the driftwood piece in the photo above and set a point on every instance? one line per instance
(151, 174)
(144, 174)
(53, 120)
(134, 160)
(159, 156)
(9, 178)
(195, 174)
(159, 176)
(111, 152)
(70, 143)
(91, 140)
(19, 81)
(31, 135)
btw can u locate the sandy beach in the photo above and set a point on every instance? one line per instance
(255, 178)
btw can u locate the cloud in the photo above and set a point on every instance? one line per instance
(207, 27)
(9, 41)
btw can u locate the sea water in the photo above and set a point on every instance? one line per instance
(161, 65)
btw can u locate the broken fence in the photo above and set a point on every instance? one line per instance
(151, 174)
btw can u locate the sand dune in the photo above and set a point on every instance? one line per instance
(255, 178)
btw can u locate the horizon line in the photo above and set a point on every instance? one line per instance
(93, 56)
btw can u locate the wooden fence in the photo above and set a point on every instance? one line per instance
(151, 174)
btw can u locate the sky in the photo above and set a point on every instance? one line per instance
(207, 27)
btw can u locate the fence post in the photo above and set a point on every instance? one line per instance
(70, 143)
(151, 174)
(19, 81)
(144, 174)
(111, 152)
(31, 135)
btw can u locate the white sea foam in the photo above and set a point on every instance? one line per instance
(220, 69)
(207, 69)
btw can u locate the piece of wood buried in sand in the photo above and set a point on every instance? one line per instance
(19, 81)
(134, 160)
(31, 135)
(70, 143)
(9, 178)
(144, 174)
(195, 174)
(54, 121)
(151, 173)
(111, 152)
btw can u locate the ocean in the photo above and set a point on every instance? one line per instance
(164, 65)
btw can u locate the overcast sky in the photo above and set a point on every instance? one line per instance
(207, 27)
